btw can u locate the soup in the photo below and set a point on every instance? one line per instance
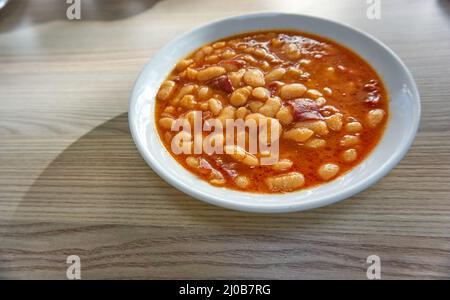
(318, 102)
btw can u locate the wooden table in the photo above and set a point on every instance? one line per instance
(72, 182)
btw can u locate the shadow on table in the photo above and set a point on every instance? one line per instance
(22, 13)
(102, 178)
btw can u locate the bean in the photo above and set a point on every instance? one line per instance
(375, 116)
(198, 56)
(291, 91)
(212, 59)
(166, 89)
(291, 51)
(250, 59)
(276, 42)
(349, 141)
(208, 50)
(188, 102)
(240, 155)
(293, 73)
(168, 111)
(319, 127)
(349, 155)
(250, 50)
(256, 117)
(282, 165)
(183, 64)
(242, 181)
(313, 94)
(227, 113)
(216, 177)
(218, 45)
(328, 171)
(241, 113)
(353, 127)
(327, 91)
(192, 162)
(255, 105)
(285, 115)
(240, 96)
(227, 54)
(210, 73)
(185, 90)
(236, 78)
(259, 52)
(166, 123)
(321, 101)
(299, 135)
(334, 122)
(191, 73)
(285, 182)
(315, 143)
(275, 74)
(215, 106)
(271, 107)
(204, 93)
(261, 93)
(254, 78)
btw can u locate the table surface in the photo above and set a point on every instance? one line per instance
(73, 183)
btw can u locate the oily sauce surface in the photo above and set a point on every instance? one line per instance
(348, 84)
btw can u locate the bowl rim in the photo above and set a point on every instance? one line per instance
(258, 206)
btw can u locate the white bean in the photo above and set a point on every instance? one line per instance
(282, 165)
(240, 96)
(299, 135)
(353, 127)
(261, 93)
(241, 112)
(375, 116)
(313, 94)
(315, 143)
(242, 181)
(210, 73)
(285, 115)
(291, 91)
(166, 89)
(328, 171)
(275, 74)
(240, 155)
(319, 127)
(254, 78)
(285, 182)
(349, 141)
(166, 123)
(349, 155)
(271, 107)
(334, 122)
(215, 106)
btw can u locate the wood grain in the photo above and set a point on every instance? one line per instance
(72, 182)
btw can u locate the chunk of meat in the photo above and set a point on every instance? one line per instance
(222, 83)
(305, 109)
(373, 92)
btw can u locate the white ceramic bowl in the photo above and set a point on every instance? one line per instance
(402, 126)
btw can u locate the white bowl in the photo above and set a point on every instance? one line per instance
(401, 129)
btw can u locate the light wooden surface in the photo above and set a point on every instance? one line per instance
(72, 182)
